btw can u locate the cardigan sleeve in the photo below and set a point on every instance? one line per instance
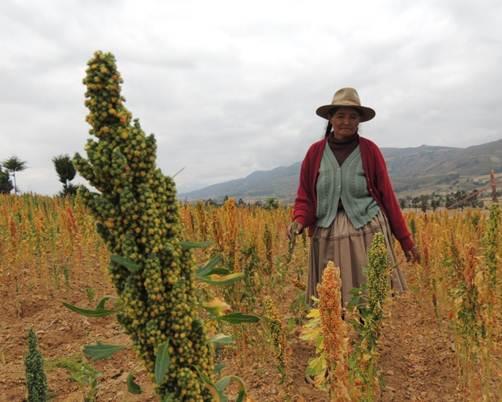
(390, 202)
(303, 206)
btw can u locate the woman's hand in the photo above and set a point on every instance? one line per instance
(412, 255)
(294, 228)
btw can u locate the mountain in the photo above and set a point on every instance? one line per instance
(413, 170)
(279, 183)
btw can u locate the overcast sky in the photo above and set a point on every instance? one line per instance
(230, 87)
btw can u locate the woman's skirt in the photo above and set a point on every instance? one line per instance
(348, 248)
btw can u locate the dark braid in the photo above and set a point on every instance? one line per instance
(328, 130)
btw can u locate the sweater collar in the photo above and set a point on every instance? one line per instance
(342, 143)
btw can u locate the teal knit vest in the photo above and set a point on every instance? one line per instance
(346, 183)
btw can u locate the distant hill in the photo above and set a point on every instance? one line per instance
(413, 170)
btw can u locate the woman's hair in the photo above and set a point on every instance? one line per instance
(328, 130)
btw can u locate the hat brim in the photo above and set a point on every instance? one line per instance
(366, 113)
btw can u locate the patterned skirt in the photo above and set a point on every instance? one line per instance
(348, 248)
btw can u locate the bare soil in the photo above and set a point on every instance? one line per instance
(416, 357)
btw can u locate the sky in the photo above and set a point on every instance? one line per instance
(231, 87)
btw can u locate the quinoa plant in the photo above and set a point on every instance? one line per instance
(137, 216)
(335, 333)
(378, 281)
(267, 240)
(277, 334)
(250, 263)
(463, 268)
(491, 240)
(36, 380)
(327, 329)
(368, 303)
(485, 279)
(80, 371)
(346, 358)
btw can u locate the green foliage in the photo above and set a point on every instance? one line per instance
(81, 372)
(490, 242)
(267, 240)
(5, 184)
(132, 387)
(222, 280)
(455, 199)
(250, 263)
(90, 293)
(271, 203)
(317, 368)
(101, 351)
(299, 307)
(66, 172)
(277, 335)
(162, 362)
(14, 165)
(36, 380)
(64, 168)
(464, 296)
(462, 199)
(224, 382)
(125, 262)
(222, 339)
(218, 388)
(413, 228)
(370, 298)
(187, 245)
(378, 279)
(239, 318)
(99, 311)
(368, 302)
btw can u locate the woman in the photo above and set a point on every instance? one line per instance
(345, 196)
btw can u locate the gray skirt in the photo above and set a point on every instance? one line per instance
(348, 248)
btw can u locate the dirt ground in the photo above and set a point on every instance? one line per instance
(416, 357)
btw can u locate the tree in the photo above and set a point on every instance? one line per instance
(436, 200)
(13, 165)
(5, 184)
(271, 203)
(415, 202)
(424, 202)
(66, 172)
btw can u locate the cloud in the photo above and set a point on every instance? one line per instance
(230, 87)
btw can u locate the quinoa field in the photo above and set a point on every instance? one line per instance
(441, 340)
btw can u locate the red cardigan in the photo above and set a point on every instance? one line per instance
(379, 187)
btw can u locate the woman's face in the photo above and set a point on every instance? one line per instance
(345, 121)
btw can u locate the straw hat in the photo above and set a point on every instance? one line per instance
(347, 97)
